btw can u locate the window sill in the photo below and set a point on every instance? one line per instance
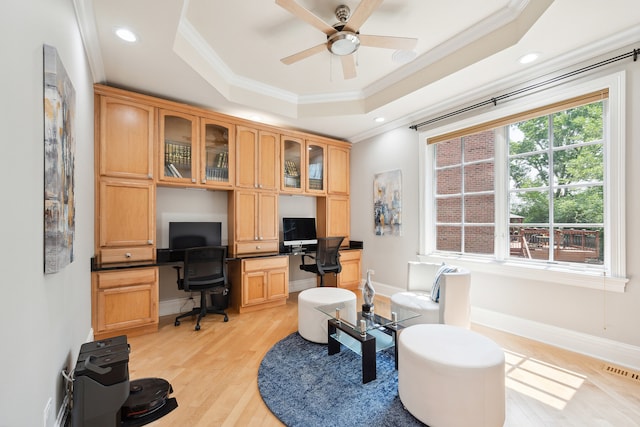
(560, 274)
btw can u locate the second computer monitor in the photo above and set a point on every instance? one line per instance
(184, 235)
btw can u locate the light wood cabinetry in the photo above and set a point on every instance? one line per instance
(142, 142)
(338, 170)
(178, 147)
(253, 222)
(316, 167)
(126, 220)
(125, 137)
(124, 302)
(333, 217)
(258, 283)
(351, 274)
(125, 190)
(258, 162)
(195, 151)
(293, 164)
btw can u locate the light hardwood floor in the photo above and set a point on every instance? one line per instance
(214, 374)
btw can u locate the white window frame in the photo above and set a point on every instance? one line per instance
(611, 276)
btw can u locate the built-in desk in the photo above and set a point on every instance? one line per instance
(125, 295)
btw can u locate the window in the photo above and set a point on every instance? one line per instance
(538, 185)
(464, 194)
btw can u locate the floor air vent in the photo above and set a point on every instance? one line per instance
(623, 372)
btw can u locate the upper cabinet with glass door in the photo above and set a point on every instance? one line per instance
(178, 154)
(195, 150)
(316, 181)
(293, 164)
(217, 166)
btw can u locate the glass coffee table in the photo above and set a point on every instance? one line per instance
(370, 334)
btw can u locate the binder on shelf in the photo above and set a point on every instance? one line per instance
(176, 173)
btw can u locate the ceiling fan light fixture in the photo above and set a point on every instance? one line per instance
(343, 43)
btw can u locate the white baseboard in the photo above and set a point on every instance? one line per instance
(175, 306)
(301, 285)
(600, 348)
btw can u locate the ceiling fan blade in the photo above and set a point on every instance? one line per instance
(361, 14)
(388, 42)
(304, 54)
(348, 66)
(306, 16)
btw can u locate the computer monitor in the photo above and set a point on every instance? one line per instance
(184, 235)
(297, 232)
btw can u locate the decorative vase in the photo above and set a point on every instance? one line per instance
(368, 293)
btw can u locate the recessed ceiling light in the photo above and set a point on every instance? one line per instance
(379, 119)
(528, 58)
(126, 35)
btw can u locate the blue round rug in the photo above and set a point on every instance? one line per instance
(303, 386)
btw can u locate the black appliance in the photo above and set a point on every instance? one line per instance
(103, 394)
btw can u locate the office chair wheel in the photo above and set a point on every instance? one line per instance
(226, 318)
(197, 327)
(176, 323)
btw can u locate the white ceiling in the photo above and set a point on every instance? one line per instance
(225, 55)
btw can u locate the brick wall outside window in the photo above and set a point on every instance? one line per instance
(465, 194)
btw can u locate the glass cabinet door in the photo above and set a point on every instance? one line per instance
(178, 133)
(217, 158)
(316, 167)
(292, 150)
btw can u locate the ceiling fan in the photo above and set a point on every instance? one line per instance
(344, 38)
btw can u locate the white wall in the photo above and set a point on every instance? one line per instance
(602, 324)
(44, 319)
(386, 255)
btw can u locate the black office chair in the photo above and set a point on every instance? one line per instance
(327, 258)
(204, 270)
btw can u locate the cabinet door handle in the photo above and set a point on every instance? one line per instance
(260, 186)
(257, 247)
(193, 180)
(150, 242)
(127, 255)
(150, 176)
(260, 238)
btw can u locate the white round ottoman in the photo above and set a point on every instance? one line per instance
(451, 376)
(312, 323)
(419, 302)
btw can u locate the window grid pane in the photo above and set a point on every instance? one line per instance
(563, 187)
(464, 194)
(556, 188)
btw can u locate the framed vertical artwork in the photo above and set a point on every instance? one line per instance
(387, 203)
(59, 153)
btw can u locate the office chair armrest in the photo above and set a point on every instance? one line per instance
(305, 255)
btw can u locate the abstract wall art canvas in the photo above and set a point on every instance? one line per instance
(387, 203)
(59, 152)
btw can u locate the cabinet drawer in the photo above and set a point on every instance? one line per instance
(127, 254)
(129, 277)
(349, 255)
(256, 247)
(269, 263)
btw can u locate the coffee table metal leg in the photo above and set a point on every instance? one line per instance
(368, 360)
(333, 344)
(395, 345)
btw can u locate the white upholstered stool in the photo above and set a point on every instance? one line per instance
(451, 376)
(312, 324)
